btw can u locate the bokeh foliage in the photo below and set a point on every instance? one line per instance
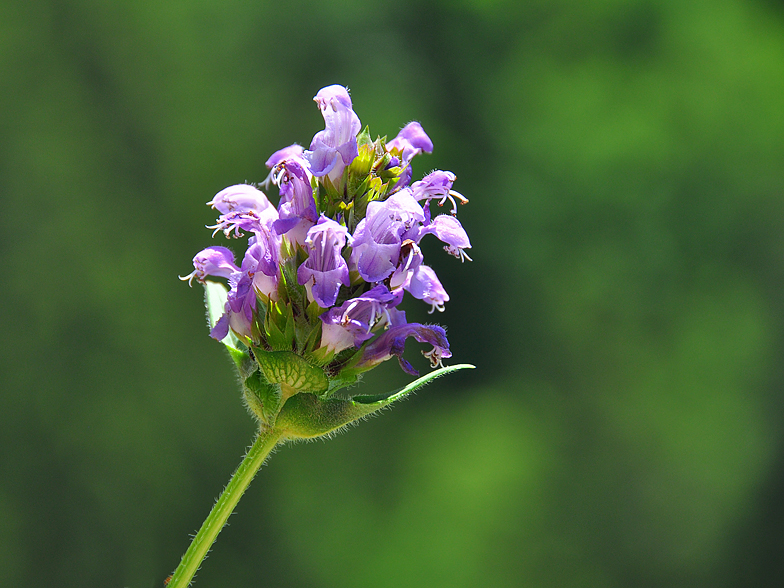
(624, 162)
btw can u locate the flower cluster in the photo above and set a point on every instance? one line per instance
(324, 273)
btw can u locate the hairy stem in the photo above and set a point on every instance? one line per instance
(253, 460)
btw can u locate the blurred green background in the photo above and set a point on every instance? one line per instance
(625, 306)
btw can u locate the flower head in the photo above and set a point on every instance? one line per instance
(325, 271)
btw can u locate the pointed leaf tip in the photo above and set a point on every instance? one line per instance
(412, 387)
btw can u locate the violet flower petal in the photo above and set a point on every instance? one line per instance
(425, 285)
(411, 141)
(332, 149)
(242, 207)
(212, 261)
(291, 152)
(297, 206)
(393, 341)
(379, 236)
(325, 270)
(357, 318)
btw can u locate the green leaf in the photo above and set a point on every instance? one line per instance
(306, 415)
(215, 296)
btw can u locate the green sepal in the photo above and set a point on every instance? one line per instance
(363, 138)
(279, 325)
(362, 164)
(286, 367)
(321, 356)
(313, 339)
(307, 415)
(314, 311)
(382, 162)
(215, 296)
(331, 192)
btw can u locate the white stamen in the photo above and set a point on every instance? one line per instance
(190, 277)
(434, 355)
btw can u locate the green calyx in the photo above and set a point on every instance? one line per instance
(294, 394)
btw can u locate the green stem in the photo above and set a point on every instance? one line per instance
(223, 508)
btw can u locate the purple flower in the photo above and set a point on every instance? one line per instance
(449, 230)
(261, 262)
(411, 141)
(242, 207)
(287, 153)
(437, 184)
(424, 285)
(323, 272)
(336, 146)
(297, 207)
(393, 342)
(379, 236)
(323, 197)
(212, 261)
(352, 322)
(418, 279)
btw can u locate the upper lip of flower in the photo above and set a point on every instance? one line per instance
(212, 261)
(332, 149)
(242, 207)
(411, 141)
